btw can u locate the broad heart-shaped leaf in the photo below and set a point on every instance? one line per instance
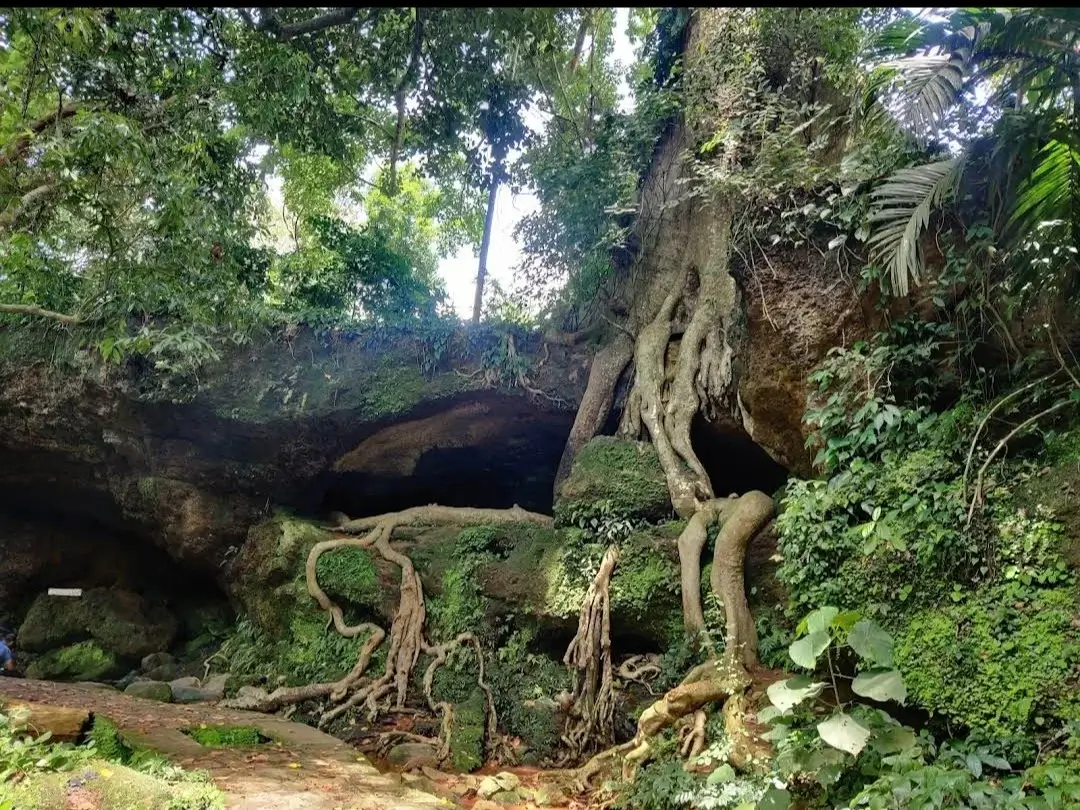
(790, 693)
(805, 651)
(844, 732)
(725, 773)
(880, 684)
(820, 619)
(871, 643)
(775, 799)
(894, 740)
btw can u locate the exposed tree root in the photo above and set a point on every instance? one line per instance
(592, 713)
(407, 640)
(703, 685)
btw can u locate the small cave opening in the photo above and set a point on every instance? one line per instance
(486, 450)
(735, 462)
(81, 546)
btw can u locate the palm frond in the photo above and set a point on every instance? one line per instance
(1051, 193)
(900, 212)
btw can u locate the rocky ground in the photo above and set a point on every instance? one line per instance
(302, 769)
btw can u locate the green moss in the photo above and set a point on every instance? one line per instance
(467, 733)
(111, 786)
(85, 661)
(120, 621)
(999, 661)
(226, 736)
(614, 477)
(349, 575)
(107, 740)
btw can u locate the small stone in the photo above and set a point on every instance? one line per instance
(150, 690)
(507, 797)
(216, 684)
(461, 788)
(192, 683)
(413, 754)
(489, 787)
(509, 781)
(155, 660)
(485, 804)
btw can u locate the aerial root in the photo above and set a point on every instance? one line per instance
(705, 684)
(407, 639)
(592, 712)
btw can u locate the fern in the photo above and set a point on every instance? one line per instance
(900, 212)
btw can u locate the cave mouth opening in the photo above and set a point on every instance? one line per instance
(486, 450)
(736, 464)
(80, 547)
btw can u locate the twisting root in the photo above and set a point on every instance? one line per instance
(496, 745)
(589, 657)
(407, 639)
(704, 685)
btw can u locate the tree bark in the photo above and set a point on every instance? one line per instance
(485, 242)
(399, 97)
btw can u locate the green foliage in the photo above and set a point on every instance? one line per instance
(659, 785)
(467, 733)
(22, 755)
(827, 738)
(303, 651)
(225, 736)
(108, 742)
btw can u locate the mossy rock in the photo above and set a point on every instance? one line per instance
(467, 733)
(122, 622)
(85, 661)
(110, 786)
(614, 478)
(993, 663)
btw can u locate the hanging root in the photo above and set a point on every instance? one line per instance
(592, 712)
(498, 749)
(705, 684)
(407, 639)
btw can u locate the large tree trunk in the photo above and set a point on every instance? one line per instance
(485, 243)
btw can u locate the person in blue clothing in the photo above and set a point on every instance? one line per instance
(7, 657)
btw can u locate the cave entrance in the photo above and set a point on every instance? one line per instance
(83, 546)
(735, 462)
(486, 450)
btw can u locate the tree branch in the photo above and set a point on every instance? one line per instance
(30, 309)
(29, 199)
(283, 32)
(17, 148)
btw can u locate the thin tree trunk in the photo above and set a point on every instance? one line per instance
(485, 243)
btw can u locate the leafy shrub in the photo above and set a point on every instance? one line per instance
(22, 755)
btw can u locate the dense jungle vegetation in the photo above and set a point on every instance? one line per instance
(921, 646)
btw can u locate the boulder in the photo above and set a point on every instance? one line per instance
(194, 694)
(121, 622)
(507, 797)
(616, 479)
(499, 783)
(192, 690)
(155, 660)
(150, 690)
